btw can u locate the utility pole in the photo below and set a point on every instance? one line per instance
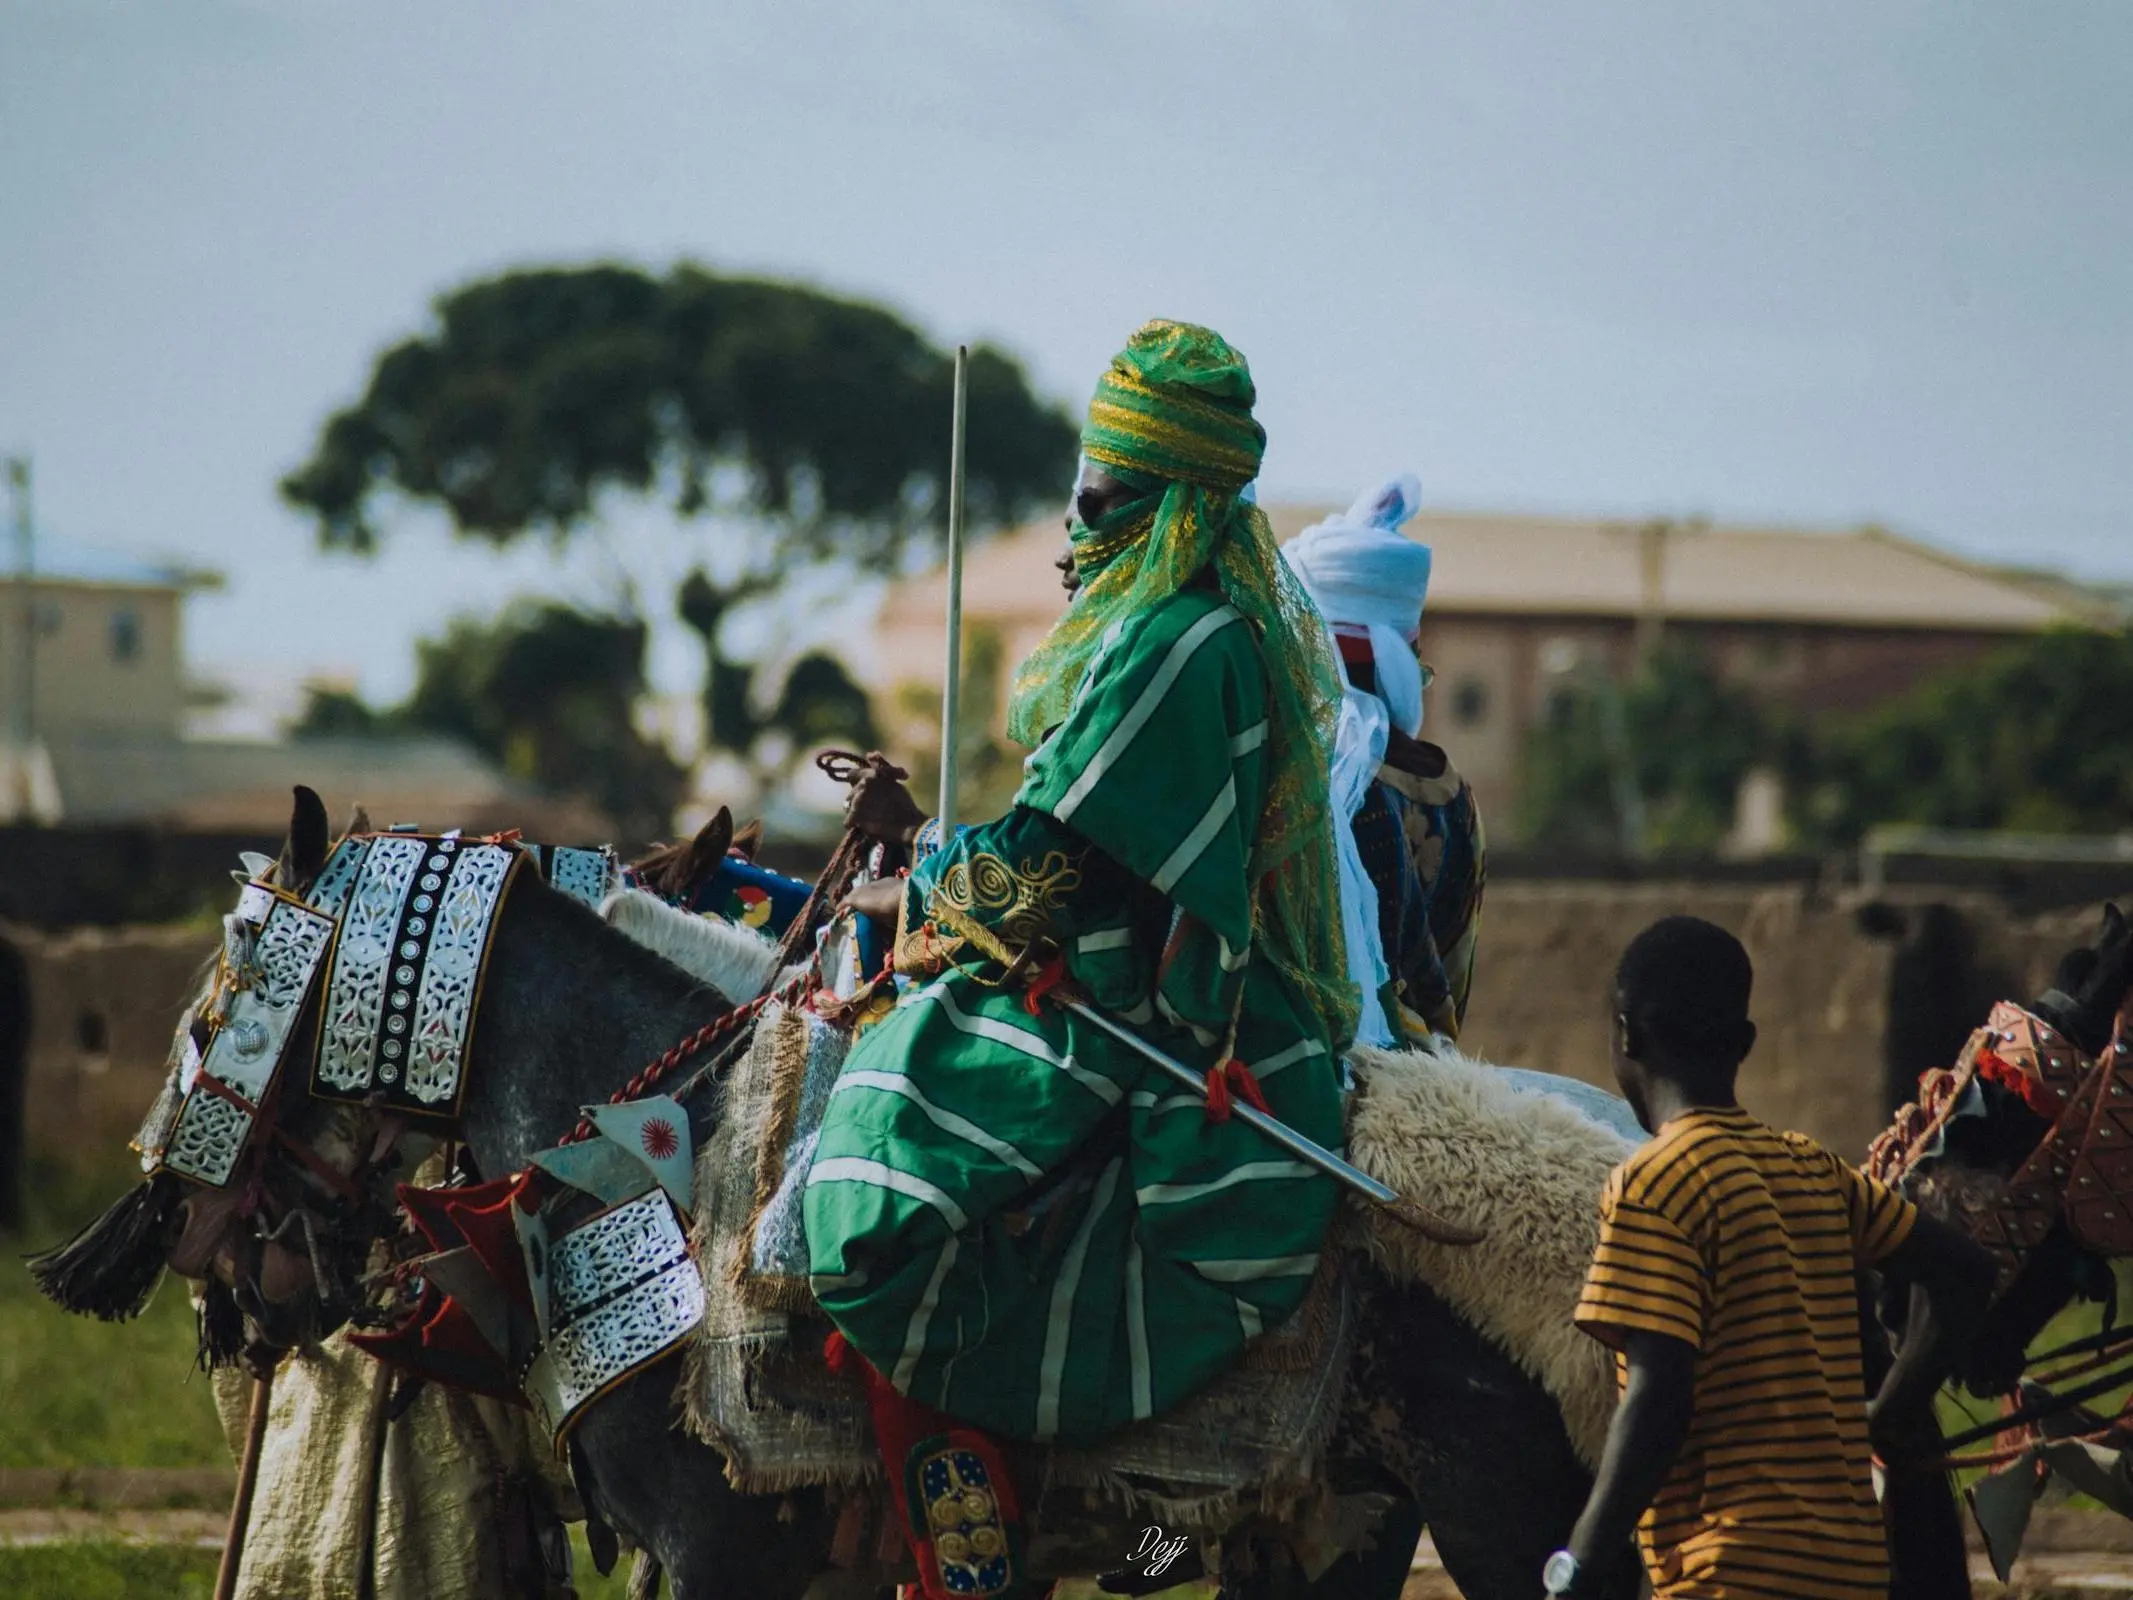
(22, 719)
(1651, 595)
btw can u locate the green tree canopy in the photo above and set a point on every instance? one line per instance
(1672, 744)
(546, 691)
(2035, 737)
(538, 389)
(535, 392)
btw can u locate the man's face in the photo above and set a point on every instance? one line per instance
(1096, 492)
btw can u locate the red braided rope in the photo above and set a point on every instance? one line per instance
(686, 1050)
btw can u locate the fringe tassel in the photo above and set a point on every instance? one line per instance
(221, 1328)
(111, 1268)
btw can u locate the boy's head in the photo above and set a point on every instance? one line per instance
(1681, 1012)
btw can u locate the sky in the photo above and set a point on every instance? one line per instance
(1814, 262)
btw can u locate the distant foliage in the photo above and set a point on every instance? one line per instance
(988, 768)
(538, 389)
(2036, 737)
(547, 692)
(1683, 738)
(823, 418)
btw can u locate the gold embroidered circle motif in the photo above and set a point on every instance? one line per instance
(986, 1542)
(977, 1505)
(946, 1512)
(952, 1548)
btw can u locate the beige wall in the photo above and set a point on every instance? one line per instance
(1548, 953)
(83, 685)
(122, 987)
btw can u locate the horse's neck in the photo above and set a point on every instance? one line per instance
(570, 1011)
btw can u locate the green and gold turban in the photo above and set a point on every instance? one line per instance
(1176, 404)
(1172, 418)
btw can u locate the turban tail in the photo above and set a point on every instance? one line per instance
(1172, 418)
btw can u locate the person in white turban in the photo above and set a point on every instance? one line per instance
(1414, 858)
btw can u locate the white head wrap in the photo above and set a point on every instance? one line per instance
(1359, 569)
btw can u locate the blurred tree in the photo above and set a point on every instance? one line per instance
(331, 713)
(2036, 737)
(547, 692)
(988, 769)
(820, 418)
(1651, 766)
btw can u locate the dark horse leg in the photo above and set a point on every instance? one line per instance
(1478, 1445)
(669, 1493)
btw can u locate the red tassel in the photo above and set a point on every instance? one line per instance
(1048, 977)
(1233, 1073)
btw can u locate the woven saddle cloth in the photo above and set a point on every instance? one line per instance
(755, 1387)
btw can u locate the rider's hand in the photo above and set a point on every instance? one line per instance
(882, 808)
(882, 900)
(1069, 574)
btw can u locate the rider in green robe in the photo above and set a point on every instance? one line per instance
(1016, 1219)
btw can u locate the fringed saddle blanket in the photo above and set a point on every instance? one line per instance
(756, 1390)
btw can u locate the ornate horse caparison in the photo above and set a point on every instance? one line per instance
(569, 1011)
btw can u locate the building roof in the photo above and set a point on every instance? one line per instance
(238, 785)
(64, 561)
(1490, 563)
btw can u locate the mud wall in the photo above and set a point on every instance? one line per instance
(103, 1004)
(1822, 981)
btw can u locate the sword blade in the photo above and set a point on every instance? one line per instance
(1305, 1149)
(1408, 1213)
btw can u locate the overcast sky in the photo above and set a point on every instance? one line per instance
(1812, 262)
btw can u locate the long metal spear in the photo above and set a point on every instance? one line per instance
(952, 682)
(1416, 1216)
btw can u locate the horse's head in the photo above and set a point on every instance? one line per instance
(1995, 1146)
(266, 1186)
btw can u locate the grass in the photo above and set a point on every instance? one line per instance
(105, 1569)
(82, 1393)
(108, 1569)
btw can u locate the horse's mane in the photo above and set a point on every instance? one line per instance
(738, 962)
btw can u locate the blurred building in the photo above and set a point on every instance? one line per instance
(100, 684)
(1520, 607)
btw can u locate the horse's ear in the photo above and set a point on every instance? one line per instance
(305, 853)
(358, 821)
(748, 842)
(708, 849)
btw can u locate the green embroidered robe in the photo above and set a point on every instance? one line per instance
(944, 1240)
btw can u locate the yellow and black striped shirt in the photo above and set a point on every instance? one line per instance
(1744, 1242)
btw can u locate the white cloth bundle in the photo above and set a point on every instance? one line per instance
(1359, 569)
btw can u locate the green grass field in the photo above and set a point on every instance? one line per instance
(87, 1393)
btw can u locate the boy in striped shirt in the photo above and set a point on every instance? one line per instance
(1726, 1281)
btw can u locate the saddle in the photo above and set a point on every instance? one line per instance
(756, 1386)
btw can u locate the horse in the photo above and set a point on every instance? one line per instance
(569, 1011)
(1968, 1169)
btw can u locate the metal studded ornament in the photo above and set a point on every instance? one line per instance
(588, 876)
(618, 1293)
(406, 975)
(272, 950)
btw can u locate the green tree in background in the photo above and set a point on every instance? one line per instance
(2036, 737)
(1651, 766)
(817, 420)
(544, 690)
(988, 769)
